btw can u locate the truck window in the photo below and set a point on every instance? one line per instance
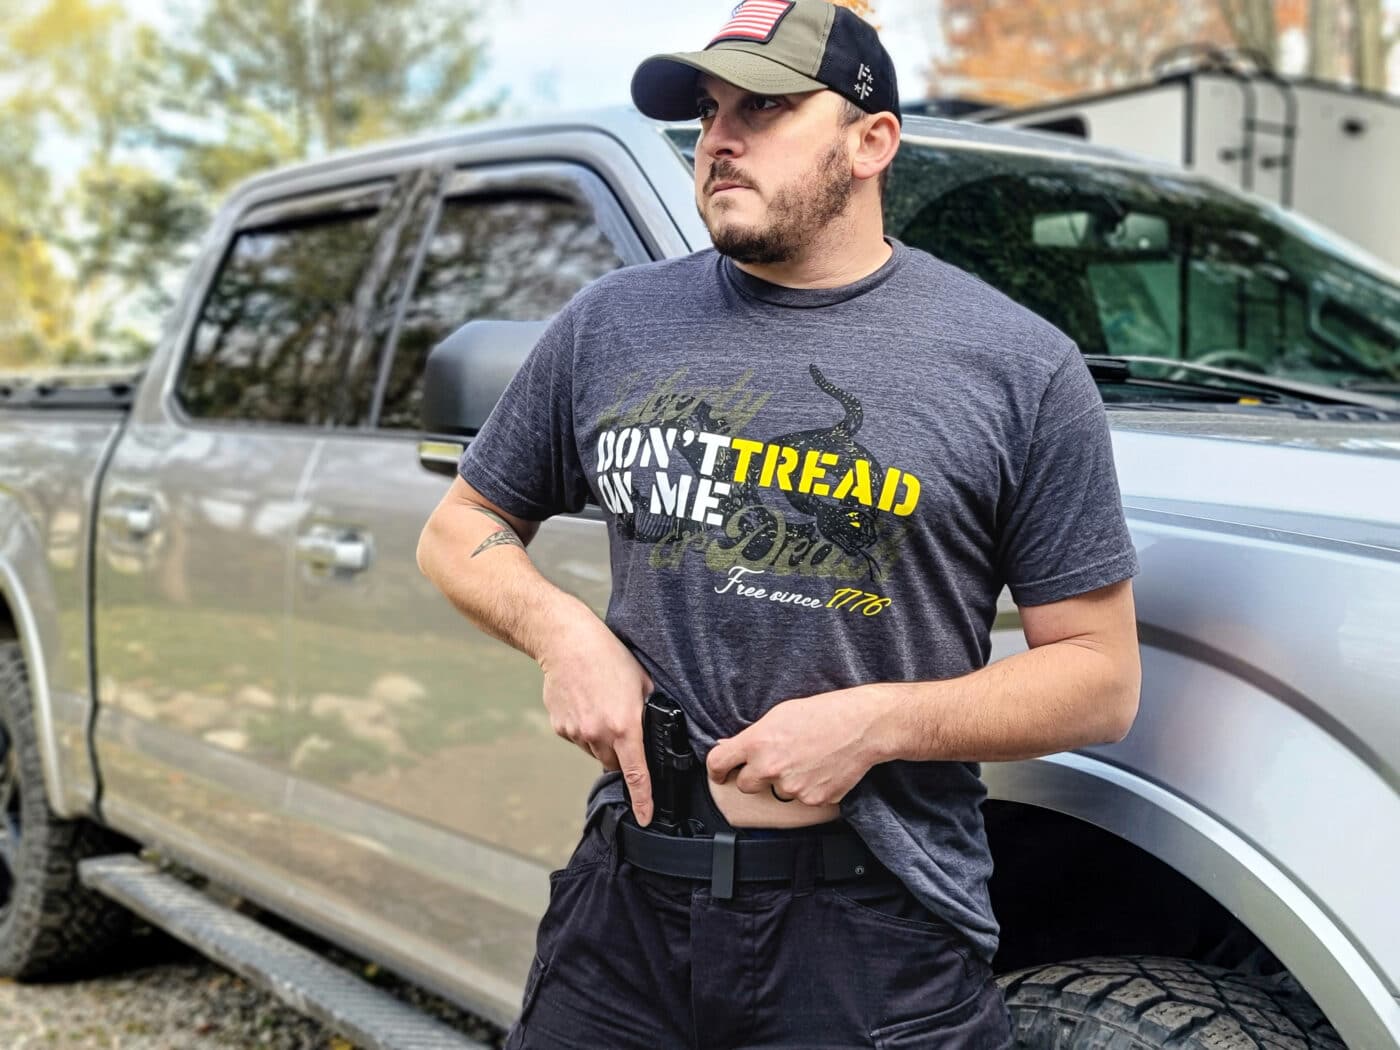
(270, 340)
(1155, 264)
(507, 257)
(1148, 261)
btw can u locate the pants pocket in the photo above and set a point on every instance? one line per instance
(979, 1022)
(592, 849)
(532, 988)
(515, 1036)
(892, 906)
(936, 993)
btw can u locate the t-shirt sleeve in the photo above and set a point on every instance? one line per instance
(525, 458)
(1064, 533)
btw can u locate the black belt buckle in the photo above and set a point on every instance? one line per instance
(722, 865)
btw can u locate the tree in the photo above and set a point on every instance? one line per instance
(864, 8)
(257, 83)
(1019, 51)
(37, 311)
(1371, 44)
(1324, 31)
(98, 243)
(1251, 23)
(1348, 40)
(164, 124)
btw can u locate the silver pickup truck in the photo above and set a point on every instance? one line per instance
(215, 641)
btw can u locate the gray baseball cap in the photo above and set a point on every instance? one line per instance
(776, 47)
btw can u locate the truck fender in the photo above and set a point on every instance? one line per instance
(22, 574)
(1288, 919)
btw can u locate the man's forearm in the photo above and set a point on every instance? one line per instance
(476, 559)
(1054, 697)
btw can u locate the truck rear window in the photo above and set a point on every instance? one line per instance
(271, 335)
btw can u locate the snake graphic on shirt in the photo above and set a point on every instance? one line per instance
(812, 530)
(845, 523)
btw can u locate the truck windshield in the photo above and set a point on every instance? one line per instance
(1142, 262)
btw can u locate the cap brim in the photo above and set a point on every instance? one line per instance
(664, 85)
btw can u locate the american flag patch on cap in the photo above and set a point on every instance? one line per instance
(754, 20)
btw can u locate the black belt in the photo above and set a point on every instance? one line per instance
(724, 858)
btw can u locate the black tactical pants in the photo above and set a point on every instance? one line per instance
(627, 959)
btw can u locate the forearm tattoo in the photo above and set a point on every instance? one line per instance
(504, 534)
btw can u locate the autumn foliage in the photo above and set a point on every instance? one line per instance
(1021, 51)
(864, 8)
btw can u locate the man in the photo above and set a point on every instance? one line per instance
(822, 454)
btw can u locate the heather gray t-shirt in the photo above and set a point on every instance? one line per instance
(811, 489)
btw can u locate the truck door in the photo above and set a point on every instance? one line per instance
(199, 510)
(429, 735)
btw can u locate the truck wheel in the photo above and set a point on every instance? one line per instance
(50, 924)
(1146, 1002)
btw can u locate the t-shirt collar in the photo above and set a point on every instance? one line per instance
(781, 295)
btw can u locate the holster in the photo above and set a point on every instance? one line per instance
(681, 800)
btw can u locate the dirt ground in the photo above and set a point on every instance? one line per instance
(165, 996)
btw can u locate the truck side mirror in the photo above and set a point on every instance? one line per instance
(467, 372)
(464, 377)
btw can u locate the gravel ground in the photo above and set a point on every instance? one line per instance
(166, 996)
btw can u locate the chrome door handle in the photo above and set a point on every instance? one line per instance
(320, 550)
(137, 520)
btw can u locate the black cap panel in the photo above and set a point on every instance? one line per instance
(857, 66)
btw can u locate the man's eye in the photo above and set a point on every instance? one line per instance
(762, 102)
(707, 110)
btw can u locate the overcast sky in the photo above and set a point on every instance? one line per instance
(561, 54)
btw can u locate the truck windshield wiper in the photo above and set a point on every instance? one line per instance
(1112, 368)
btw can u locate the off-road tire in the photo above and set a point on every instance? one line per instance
(51, 926)
(1146, 1002)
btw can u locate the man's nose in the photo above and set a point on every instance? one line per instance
(724, 137)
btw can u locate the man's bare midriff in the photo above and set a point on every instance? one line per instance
(764, 811)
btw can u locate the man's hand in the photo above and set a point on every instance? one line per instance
(812, 748)
(594, 691)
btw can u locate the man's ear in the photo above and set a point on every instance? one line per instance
(879, 141)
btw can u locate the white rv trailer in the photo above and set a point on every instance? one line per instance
(1324, 150)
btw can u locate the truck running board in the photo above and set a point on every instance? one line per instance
(362, 1013)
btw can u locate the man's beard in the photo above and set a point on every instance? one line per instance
(795, 215)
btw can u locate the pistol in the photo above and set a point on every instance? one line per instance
(670, 763)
